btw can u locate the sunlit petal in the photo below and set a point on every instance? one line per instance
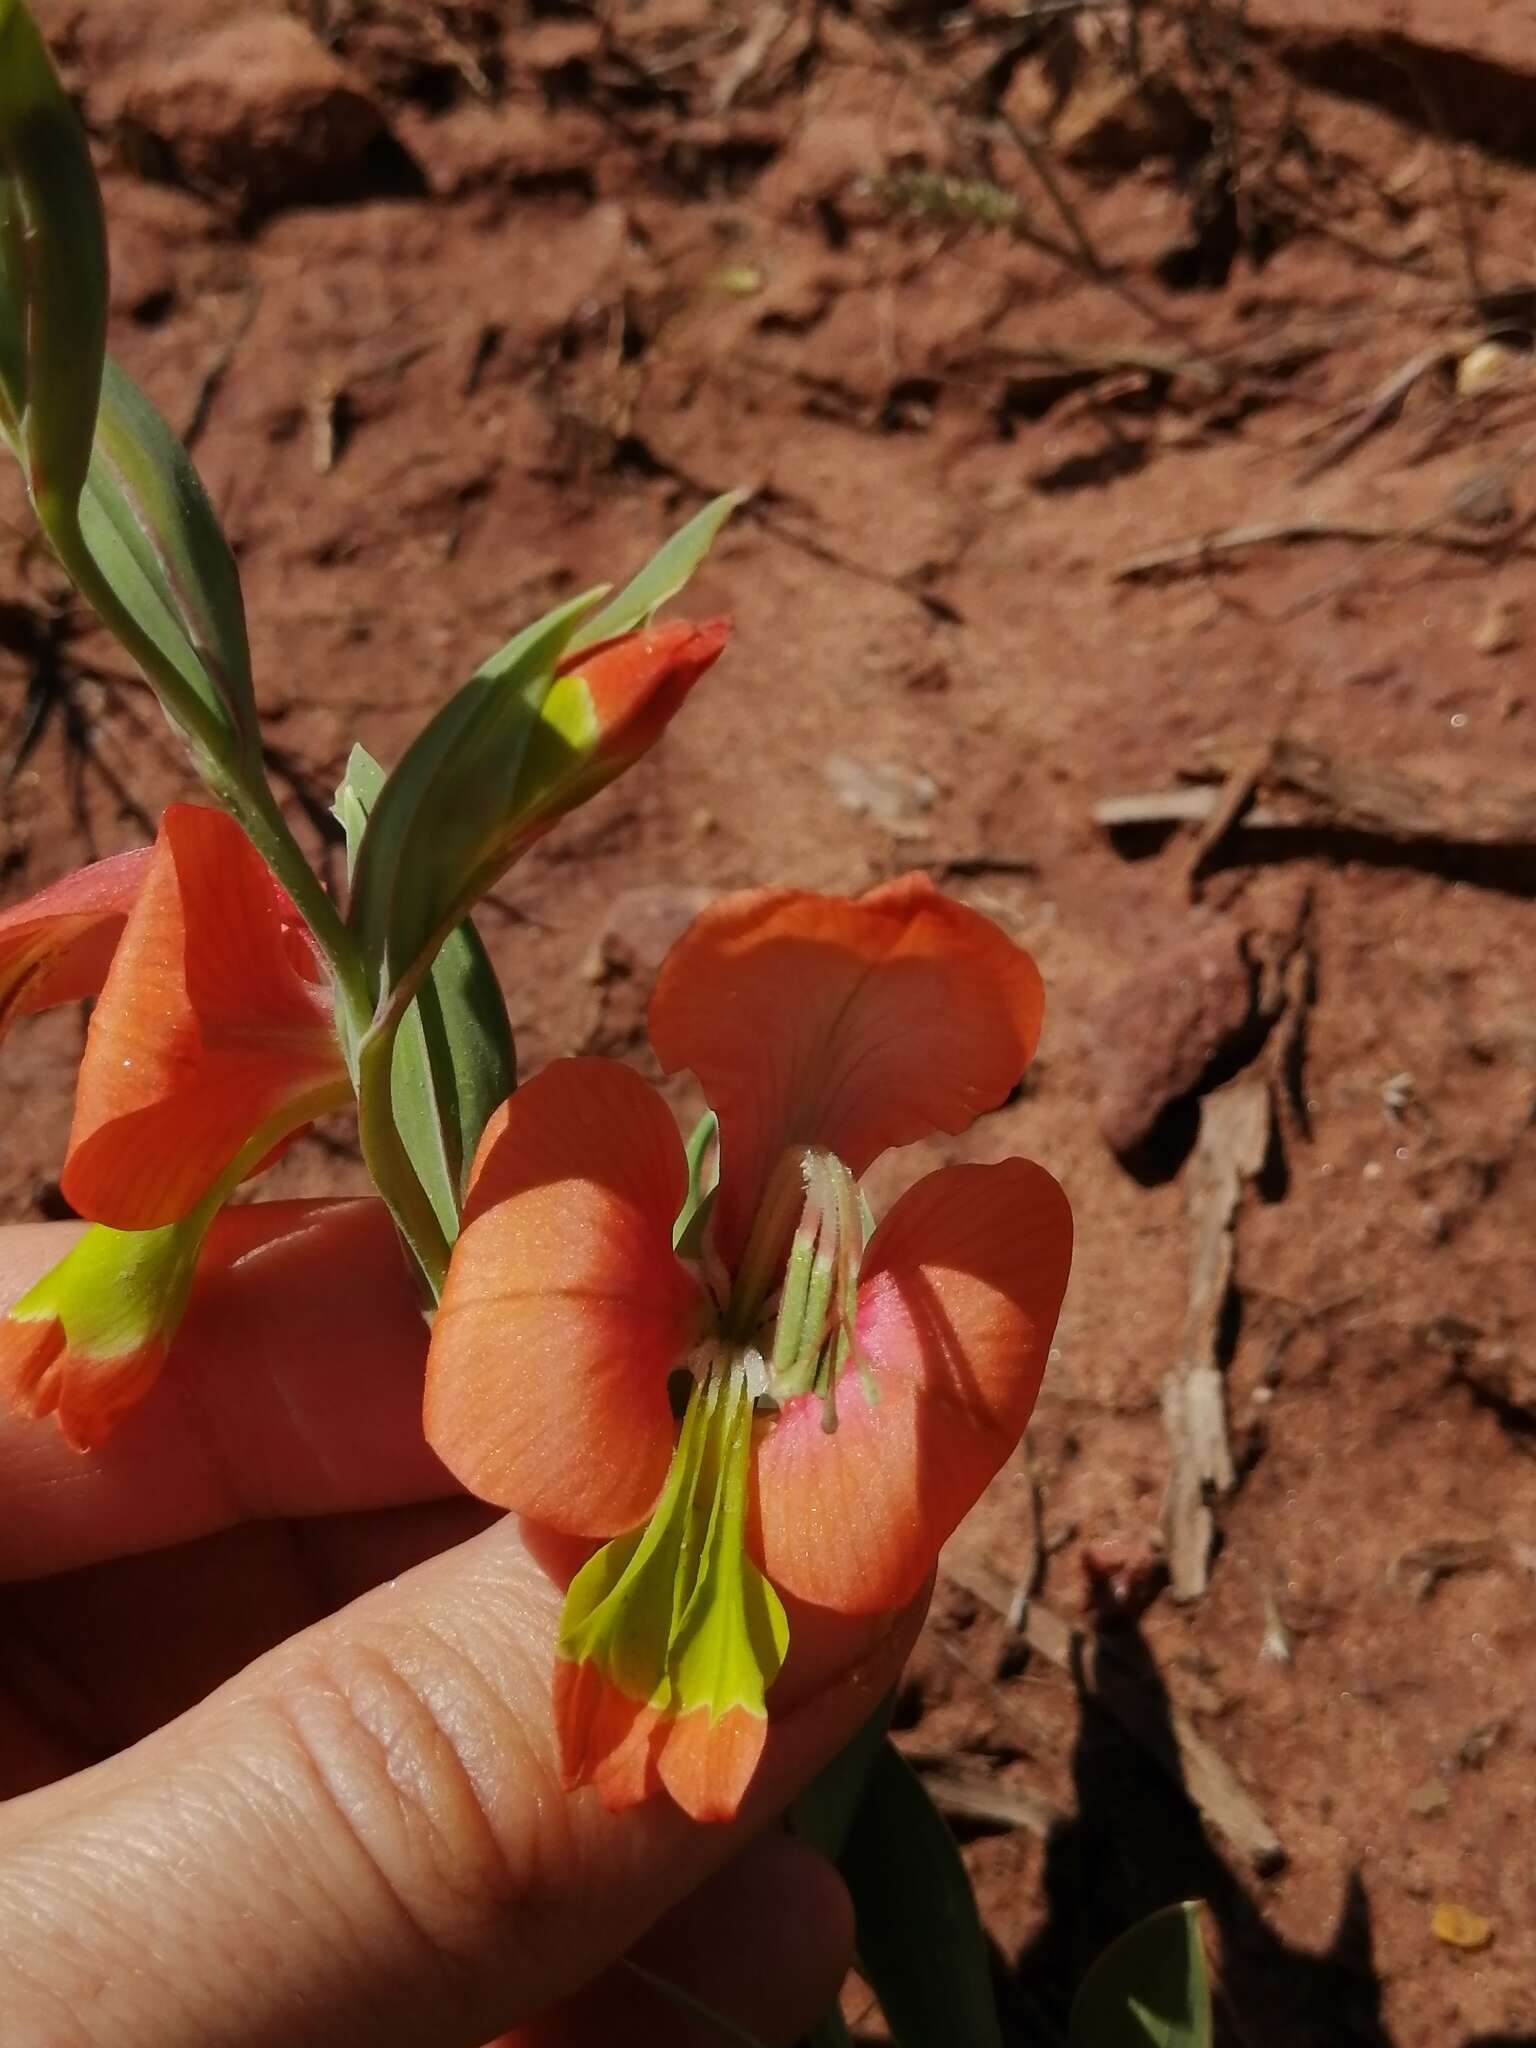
(565, 1309)
(850, 1024)
(962, 1284)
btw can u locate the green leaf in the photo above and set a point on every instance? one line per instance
(703, 1176)
(356, 794)
(663, 575)
(454, 1060)
(824, 1813)
(1149, 1989)
(919, 1941)
(151, 534)
(53, 270)
(451, 815)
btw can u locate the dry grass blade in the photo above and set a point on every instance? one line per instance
(1376, 411)
(1203, 549)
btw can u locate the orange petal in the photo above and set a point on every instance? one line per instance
(607, 1740)
(42, 1374)
(706, 1761)
(88, 1339)
(214, 1025)
(636, 684)
(57, 946)
(958, 1300)
(856, 1024)
(566, 1309)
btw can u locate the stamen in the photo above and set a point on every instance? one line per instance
(818, 1298)
(794, 1294)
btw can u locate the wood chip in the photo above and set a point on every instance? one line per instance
(967, 1795)
(1235, 1126)
(1189, 806)
(1143, 1710)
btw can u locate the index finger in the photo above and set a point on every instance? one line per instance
(293, 1388)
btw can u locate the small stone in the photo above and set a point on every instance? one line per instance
(1120, 1580)
(640, 929)
(885, 792)
(1498, 630)
(1158, 1034)
(1485, 366)
(1429, 1799)
(1459, 1927)
(1484, 499)
(1477, 1745)
(933, 679)
(257, 111)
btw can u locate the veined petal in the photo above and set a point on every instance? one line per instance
(88, 1340)
(566, 1308)
(728, 1644)
(57, 946)
(610, 1693)
(214, 1023)
(958, 1300)
(854, 1024)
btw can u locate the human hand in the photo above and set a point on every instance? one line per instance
(275, 1729)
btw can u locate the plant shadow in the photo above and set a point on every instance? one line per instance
(1136, 1842)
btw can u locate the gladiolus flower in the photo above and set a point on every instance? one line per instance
(801, 1409)
(213, 1039)
(211, 1045)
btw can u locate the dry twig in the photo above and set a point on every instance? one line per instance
(1364, 797)
(1203, 548)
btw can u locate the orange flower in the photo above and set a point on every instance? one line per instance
(842, 1402)
(211, 1045)
(213, 1039)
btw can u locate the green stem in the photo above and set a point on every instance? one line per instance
(230, 764)
(388, 1161)
(252, 803)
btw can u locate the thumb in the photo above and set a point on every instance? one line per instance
(363, 1837)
